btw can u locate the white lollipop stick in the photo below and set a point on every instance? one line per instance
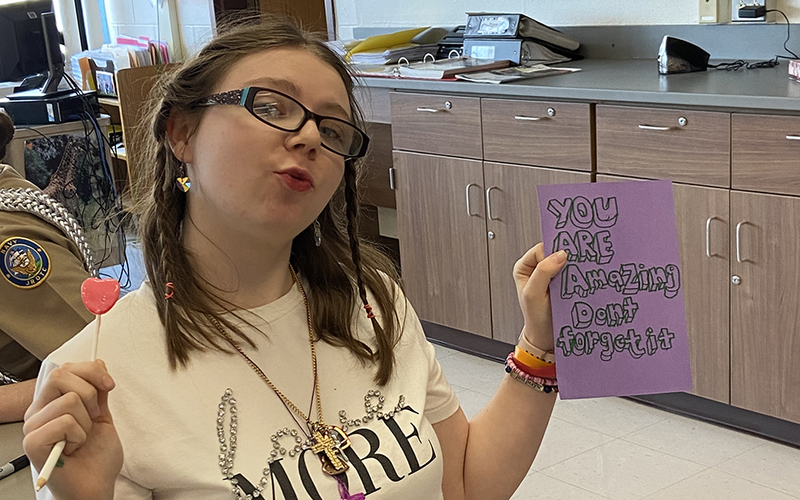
(50, 464)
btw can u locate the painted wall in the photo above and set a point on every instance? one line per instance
(394, 13)
(193, 20)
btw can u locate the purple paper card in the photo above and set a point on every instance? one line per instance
(618, 315)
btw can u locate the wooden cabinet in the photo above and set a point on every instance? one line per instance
(765, 153)
(437, 124)
(513, 227)
(464, 222)
(460, 237)
(702, 217)
(765, 317)
(686, 146)
(546, 134)
(441, 223)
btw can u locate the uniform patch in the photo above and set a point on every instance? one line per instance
(23, 262)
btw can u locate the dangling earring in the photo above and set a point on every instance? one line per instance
(183, 181)
(317, 234)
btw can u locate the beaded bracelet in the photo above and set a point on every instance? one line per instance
(538, 383)
(514, 365)
(539, 379)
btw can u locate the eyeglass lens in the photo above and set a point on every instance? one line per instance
(287, 114)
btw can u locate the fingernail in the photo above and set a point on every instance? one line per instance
(561, 256)
(108, 383)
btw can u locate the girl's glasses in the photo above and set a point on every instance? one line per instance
(278, 110)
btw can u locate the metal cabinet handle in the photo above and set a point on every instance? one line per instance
(682, 122)
(739, 241)
(793, 137)
(708, 237)
(551, 112)
(489, 204)
(391, 179)
(653, 127)
(469, 210)
(448, 105)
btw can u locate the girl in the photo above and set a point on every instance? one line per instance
(272, 353)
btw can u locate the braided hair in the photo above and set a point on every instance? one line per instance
(339, 274)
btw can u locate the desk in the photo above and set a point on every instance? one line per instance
(19, 485)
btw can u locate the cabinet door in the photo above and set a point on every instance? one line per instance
(765, 312)
(515, 227)
(442, 229)
(702, 217)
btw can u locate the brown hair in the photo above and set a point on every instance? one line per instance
(6, 132)
(337, 272)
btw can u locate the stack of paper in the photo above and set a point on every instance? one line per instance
(514, 74)
(95, 68)
(410, 44)
(144, 52)
(410, 51)
(446, 68)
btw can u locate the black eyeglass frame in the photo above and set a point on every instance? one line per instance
(246, 96)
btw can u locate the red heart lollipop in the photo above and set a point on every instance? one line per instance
(99, 296)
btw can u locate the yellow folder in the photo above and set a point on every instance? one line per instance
(386, 41)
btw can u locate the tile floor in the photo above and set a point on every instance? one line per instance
(618, 449)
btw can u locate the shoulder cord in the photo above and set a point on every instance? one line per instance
(46, 208)
(7, 378)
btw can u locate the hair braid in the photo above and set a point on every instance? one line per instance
(331, 269)
(168, 217)
(353, 207)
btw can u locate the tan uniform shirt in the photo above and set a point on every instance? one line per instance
(35, 321)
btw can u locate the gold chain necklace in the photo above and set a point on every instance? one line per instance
(327, 441)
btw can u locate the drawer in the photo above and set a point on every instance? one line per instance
(374, 104)
(685, 146)
(437, 124)
(547, 134)
(765, 153)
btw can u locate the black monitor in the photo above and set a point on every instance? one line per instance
(55, 59)
(22, 42)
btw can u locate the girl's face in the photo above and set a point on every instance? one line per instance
(249, 178)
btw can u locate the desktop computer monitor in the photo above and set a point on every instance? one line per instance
(22, 40)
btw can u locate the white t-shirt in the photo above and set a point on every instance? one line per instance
(167, 420)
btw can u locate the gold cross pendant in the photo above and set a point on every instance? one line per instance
(330, 450)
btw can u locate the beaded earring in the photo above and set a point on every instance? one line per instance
(182, 180)
(317, 233)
